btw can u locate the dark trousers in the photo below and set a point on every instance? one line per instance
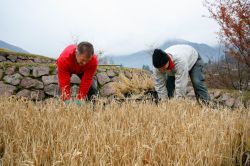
(93, 88)
(197, 79)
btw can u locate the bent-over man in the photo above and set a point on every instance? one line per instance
(77, 59)
(172, 68)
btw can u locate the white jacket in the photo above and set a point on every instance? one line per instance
(184, 58)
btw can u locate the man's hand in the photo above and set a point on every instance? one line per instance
(67, 102)
(79, 102)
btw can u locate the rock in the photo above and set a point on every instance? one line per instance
(99, 70)
(28, 82)
(225, 97)
(111, 98)
(12, 79)
(38, 60)
(6, 89)
(55, 71)
(37, 95)
(10, 70)
(117, 72)
(40, 71)
(12, 58)
(75, 79)
(74, 90)
(25, 71)
(102, 78)
(230, 102)
(189, 89)
(30, 58)
(246, 158)
(191, 94)
(111, 73)
(24, 61)
(211, 94)
(1, 73)
(128, 74)
(24, 94)
(247, 104)
(238, 103)
(115, 79)
(217, 94)
(107, 90)
(52, 90)
(52, 79)
(22, 57)
(2, 58)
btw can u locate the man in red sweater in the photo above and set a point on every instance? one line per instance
(77, 59)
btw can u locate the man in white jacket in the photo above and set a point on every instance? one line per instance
(172, 68)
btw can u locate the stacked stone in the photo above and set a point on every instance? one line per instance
(226, 99)
(41, 82)
(106, 79)
(12, 58)
(35, 83)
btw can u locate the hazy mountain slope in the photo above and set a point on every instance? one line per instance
(139, 58)
(11, 47)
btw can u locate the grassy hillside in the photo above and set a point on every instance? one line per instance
(173, 133)
(9, 46)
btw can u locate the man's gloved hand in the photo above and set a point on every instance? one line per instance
(67, 102)
(79, 102)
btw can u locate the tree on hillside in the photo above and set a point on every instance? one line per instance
(233, 17)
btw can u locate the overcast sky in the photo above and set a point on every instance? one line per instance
(114, 26)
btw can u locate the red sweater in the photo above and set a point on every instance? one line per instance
(67, 65)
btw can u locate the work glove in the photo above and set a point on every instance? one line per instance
(67, 102)
(79, 102)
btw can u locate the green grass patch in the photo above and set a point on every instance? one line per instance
(28, 55)
(18, 65)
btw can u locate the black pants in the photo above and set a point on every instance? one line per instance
(93, 88)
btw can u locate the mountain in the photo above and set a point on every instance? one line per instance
(143, 57)
(11, 47)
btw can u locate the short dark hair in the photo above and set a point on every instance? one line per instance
(160, 58)
(85, 47)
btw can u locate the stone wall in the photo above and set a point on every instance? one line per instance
(223, 98)
(35, 77)
(13, 57)
(38, 82)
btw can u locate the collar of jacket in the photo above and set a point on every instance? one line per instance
(171, 63)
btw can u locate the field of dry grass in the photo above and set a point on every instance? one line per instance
(170, 133)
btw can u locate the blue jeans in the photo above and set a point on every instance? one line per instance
(197, 79)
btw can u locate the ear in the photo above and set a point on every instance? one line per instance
(167, 65)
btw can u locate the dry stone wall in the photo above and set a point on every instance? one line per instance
(12, 57)
(35, 77)
(38, 82)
